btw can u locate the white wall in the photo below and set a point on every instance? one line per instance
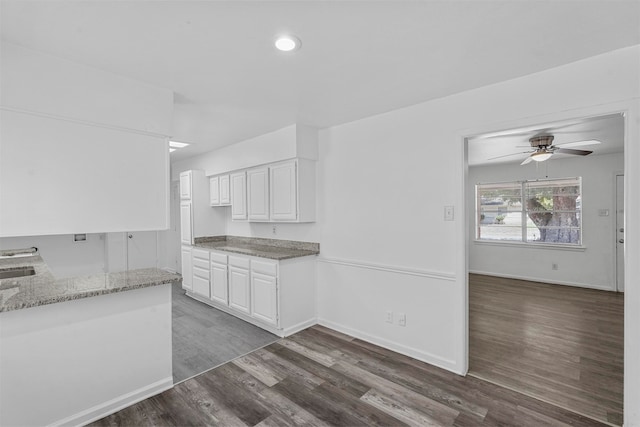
(282, 144)
(595, 266)
(76, 361)
(383, 185)
(82, 150)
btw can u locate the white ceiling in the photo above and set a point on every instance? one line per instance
(512, 145)
(358, 58)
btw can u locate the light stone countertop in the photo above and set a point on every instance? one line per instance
(259, 247)
(43, 288)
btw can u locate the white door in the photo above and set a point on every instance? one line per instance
(238, 196)
(239, 289)
(620, 233)
(225, 194)
(258, 194)
(187, 271)
(185, 185)
(214, 191)
(142, 249)
(264, 299)
(283, 194)
(219, 283)
(185, 223)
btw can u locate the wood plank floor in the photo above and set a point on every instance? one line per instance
(204, 337)
(558, 343)
(319, 377)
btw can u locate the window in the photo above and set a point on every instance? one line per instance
(542, 211)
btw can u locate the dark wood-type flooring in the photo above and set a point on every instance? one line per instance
(204, 337)
(321, 377)
(557, 343)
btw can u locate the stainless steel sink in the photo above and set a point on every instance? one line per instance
(10, 273)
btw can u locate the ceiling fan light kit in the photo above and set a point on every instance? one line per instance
(541, 155)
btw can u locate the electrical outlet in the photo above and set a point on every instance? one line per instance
(389, 317)
(273, 229)
(402, 319)
(554, 266)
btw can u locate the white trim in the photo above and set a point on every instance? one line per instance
(86, 123)
(539, 280)
(390, 268)
(299, 327)
(114, 405)
(516, 244)
(449, 365)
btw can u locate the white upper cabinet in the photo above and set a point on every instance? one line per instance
(283, 194)
(185, 185)
(214, 191)
(258, 194)
(239, 196)
(225, 192)
(219, 192)
(292, 191)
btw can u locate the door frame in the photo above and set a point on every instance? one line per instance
(629, 109)
(615, 227)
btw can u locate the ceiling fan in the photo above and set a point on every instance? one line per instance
(543, 148)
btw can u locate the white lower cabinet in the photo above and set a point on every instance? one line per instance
(239, 284)
(278, 296)
(187, 271)
(264, 298)
(201, 270)
(219, 287)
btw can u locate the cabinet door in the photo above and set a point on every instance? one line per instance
(258, 194)
(264, 298)
(185, 185)
(283, 194)
(219, 285)
(185, 223)
(239, 289)
(239, 196)
(186, 268)
(225, 193)
(214, 191)
(200, 284)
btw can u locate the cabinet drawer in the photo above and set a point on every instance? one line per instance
(201, 272)
(219, 258)
(269, 268)
(201, 254)
(239, 262)
(201, 263)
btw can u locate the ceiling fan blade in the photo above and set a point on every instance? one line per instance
(509, 155)
(578, 143)
(574, 152)
(527, 160)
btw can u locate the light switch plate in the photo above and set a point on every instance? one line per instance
(448, 213)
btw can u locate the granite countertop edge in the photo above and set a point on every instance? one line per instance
(43, 289)
(262, 248)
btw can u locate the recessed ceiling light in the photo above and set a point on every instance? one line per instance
(176, 144)
(287, 43)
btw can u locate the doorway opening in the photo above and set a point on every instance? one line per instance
(547, 320)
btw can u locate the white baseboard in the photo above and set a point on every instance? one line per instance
(449, 365)
(114, 405)
(299, 327)
(543, 280)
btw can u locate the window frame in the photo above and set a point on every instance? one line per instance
(523, 186)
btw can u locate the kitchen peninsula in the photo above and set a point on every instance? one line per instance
(73, 349)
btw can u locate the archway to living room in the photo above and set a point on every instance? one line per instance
(545, 315)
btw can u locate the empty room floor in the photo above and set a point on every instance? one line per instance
(561, 344)
(320, 377)
(204, 337)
